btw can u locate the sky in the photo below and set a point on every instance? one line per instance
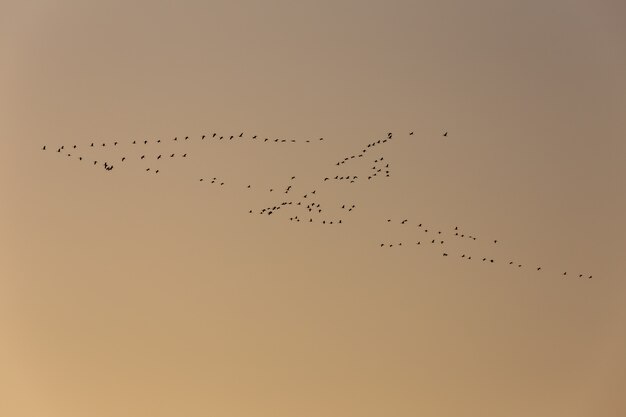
(127, 292)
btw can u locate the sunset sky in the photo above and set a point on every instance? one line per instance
(131, 293)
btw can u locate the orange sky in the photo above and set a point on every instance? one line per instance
(132, 293)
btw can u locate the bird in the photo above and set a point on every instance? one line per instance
(44, 148)
(411, 133)
(445, 134)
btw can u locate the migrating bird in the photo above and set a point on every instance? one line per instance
(445, 134)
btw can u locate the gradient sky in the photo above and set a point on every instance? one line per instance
(129, 294)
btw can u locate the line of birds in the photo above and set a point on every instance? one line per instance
(456, 232)
(214, 136)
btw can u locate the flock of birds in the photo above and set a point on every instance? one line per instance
(306, 206)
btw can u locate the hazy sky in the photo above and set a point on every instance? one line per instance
(131, 293)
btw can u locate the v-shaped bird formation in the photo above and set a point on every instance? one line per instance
(304, 205)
